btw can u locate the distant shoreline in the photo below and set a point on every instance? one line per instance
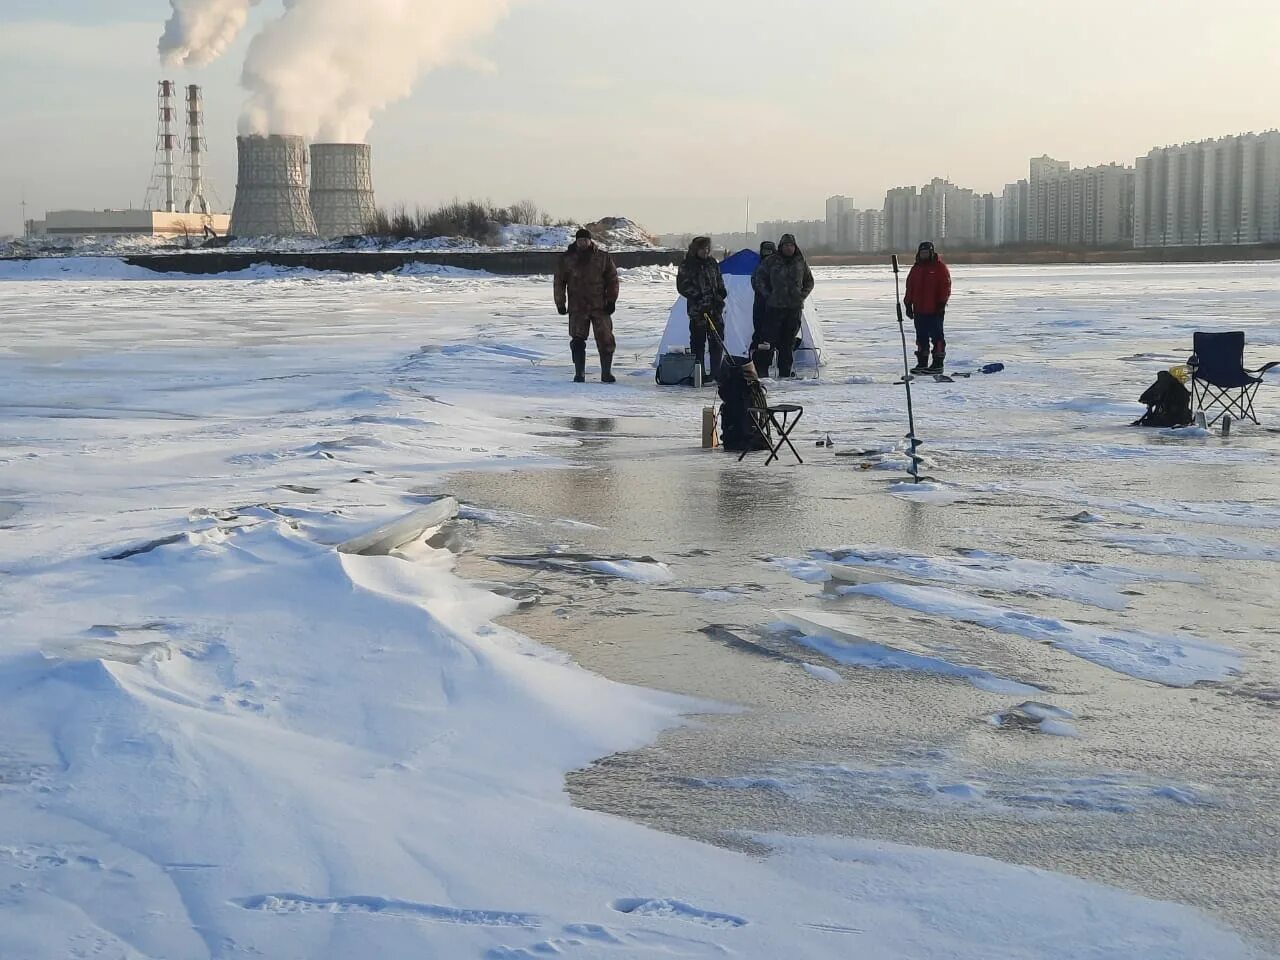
(538, 262)
(502, 262)
(1018, 256)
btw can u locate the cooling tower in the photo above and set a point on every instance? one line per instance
(342, 188)
(271, 195)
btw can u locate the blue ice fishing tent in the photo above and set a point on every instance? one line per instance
(737, 270)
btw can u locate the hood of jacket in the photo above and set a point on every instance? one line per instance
(788, 238)
(694, 246)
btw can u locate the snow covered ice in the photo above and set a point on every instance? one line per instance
(226, 737)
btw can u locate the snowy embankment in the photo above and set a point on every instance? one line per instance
(82, 269)
(227, 737)
(618, 233)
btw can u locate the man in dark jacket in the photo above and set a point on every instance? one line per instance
(928, 290)
(586, 290)
(762, 347)
(700, 283)
(786, 281)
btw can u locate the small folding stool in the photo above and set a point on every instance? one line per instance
(783, 417)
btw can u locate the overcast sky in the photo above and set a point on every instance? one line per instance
(673, 112)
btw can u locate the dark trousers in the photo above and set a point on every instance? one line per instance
(929, 333)
(698, 342)
(762, 338)
(779, 328)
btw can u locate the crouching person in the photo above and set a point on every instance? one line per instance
(741, 392)
(586, 290)
(702, 286)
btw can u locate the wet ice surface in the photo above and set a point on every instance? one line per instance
(1195, 610)
(267, 422)
(1098, 585)
(934, 780)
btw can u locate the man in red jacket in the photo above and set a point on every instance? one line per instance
(928, 290)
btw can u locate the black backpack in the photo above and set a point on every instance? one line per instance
(1168, 403)
(737, 396)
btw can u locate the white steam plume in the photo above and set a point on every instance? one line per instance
(199, 31)
(324, 68)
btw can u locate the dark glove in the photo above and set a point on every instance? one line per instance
(610, 307)
(564, 311)
(911, 311)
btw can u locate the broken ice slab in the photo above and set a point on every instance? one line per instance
(133, 654)
(1033, 715)
(382, 540)
(845, 573)
(844, 640)
(636, 569)
(148, 547)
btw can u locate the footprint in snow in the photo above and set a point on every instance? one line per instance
(589, 939)
(36, 858)
(295, 903)
(676, 910)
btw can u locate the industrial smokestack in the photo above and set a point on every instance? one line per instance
(167, 145)
(342, 188)
(196, 201)
(271, 193)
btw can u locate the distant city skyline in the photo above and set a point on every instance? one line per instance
(826, 101)
(1219, 191)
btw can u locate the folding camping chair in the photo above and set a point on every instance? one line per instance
(783, 417)
(1219, 378)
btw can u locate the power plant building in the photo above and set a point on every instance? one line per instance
(80, 224)
(342, 188)
(162, 215)
(271, 189)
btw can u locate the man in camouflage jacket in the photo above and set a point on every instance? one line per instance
(700, 283)
(785, 281)
(586, 290)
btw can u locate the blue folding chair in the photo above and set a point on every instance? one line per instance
(1219, 378)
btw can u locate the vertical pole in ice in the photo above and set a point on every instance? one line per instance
(913, 445)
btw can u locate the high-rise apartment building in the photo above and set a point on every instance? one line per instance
(1091, 206)
(902, 220)
(1224, 191)
(939, 211)
(809, 234)
(837, 209)
(864, 231)
(1044, 198)
(1016, 213)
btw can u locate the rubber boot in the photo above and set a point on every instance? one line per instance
(922, 362)
(762, 359)
(579, 350)
(786, 360)
(939, 361)
(606, 368)
(717, 357)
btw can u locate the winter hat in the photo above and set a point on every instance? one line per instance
(925, 248)
(582, 234)
(768, 247)
(787, 238)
